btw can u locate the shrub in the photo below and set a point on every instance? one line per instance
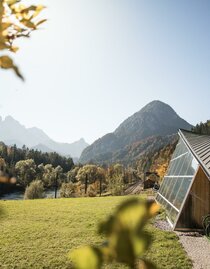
(91, 191)
(68, 190)
(35, 190)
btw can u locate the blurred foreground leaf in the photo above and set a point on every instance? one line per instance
(7, 63)
(91, 258)
(16, 21)
(126, 238)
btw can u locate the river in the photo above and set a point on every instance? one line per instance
(18, 195)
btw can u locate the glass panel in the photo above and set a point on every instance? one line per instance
(168, 184)
(173, 214)
(180, 149)
(193, 165)
(176, 152)
(178, 165)
(185, 164)
(177, 181)
(159, 198)
(171, 169)
(182, 192)
(175, 188)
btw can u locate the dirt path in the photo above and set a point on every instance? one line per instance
(197, 248)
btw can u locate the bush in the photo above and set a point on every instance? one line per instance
(68, 190)
(91, 191)
(35, 190)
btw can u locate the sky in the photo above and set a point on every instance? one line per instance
(96, 62)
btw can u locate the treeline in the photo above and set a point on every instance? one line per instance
(92, 180)
(27, 165)
(87, 180)
(202, 128)
(44, 171)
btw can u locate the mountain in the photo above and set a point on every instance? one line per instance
(153, 126)
(12, 132)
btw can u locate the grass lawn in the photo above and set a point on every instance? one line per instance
(40, 233)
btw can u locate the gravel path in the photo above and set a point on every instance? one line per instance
(197, 248)
(196, 245)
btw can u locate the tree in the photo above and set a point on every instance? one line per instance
(40, 171)
(72, 174)
(92, 171)
(115, 179)
(16, 21)
(26, 171)
(49, 175)
(89, 174)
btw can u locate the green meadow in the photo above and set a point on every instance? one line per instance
(40, 233)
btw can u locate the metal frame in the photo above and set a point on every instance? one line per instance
(169, 203)
(179, 156)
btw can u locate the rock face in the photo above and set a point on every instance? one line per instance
(12, 132)
(153, 125)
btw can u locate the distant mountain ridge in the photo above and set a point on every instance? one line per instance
(12, 132)
(152, 126)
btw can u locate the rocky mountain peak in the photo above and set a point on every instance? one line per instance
(154, 119)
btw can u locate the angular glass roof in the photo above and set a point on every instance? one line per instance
(176, 183)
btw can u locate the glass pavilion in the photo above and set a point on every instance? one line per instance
(174, 193)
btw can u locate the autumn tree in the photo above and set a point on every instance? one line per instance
(115, 178)
(26, 172)
(48, 175)
(72, 174)
(93, 172)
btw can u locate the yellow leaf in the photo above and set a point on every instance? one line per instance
(86, 258)
(7, 63)
(3, 45)
(28, 23)
(14, 49)
(38, 10)
(40, 22)
(6, 25)
(154, 208)
(12, 2)
(5, 33)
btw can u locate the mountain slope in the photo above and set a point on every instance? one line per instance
(12, 132)
(152, 125)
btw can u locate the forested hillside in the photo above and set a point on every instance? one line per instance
(28, 164)
(156, 160)
(202, 128)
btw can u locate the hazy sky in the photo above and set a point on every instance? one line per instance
(96, 62)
